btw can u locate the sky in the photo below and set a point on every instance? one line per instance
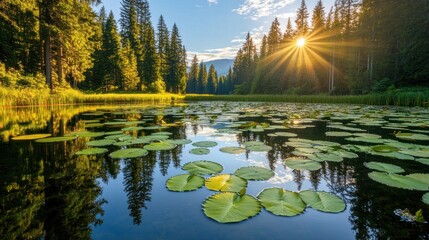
(216, 29)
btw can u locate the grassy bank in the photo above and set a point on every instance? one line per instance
(42, 97)
(393, 98)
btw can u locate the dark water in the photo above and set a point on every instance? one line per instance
(47, 192)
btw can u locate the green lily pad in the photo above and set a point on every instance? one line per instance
(254, 173)
(286, 134)
(128, 153)
(116, 136)
(338, 134)
(101, 143)
(345, 154)
(384, 167)
(185, 183)
(86, 134)
(130, 129)
(233, 150)
(281, 202)
(398, 181)
(204, 144)
(163, 133)
(423, 153)
(302, 164)
(200, 151)
(425, 198)
(179, 141)
(323, 201)
(298, 144)
(30, 137)
(328, 157)
(92, 151)
(412, 136)
(55, 139)
(384, 148)
(259, 148)
(230, 207)
(159, 146)
(253, 143)
(226, 183)
(203, 167)
(423, 160)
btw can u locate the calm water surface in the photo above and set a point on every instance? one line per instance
(48, 192)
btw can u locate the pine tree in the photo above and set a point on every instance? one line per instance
(192, 85)
(163, 36)
(151, 74)
(202, 78)
(318, 18)
(112, 76)
(211, 80)
(177, 65)
(264, 47)
(289, 32)
(130, 76)
(274, 37)
(301, 20)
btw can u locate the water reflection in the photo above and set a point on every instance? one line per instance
(48, 192)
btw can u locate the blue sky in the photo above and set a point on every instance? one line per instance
(215, 29)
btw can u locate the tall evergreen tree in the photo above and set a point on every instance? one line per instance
(211, 80)
(274, 37)
(163, 40)
(301, 20)
(192, 85)
(176, 63)
(202, 78)
(318, 18)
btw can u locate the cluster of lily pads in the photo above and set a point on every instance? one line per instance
(232, 204)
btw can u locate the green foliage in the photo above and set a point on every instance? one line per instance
(185, 183)
(231, 207)
(281, 202)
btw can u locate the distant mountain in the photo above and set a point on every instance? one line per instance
(221, 65)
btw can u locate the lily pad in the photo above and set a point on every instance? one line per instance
(412, 136)
(338, 134)
(159, 146)
(200, 151)
(328, 157)
(233, 150)
(179, 141)
(230, 207)
(30, 137)
(259, 148)
(425, 198)
(185, 183)
(253, 143)
(384, 148)
(423, 153)
(302, 164)
(85, 134)
(204, 144)
(286, 134)
(398, 181)
(203, 167)
(55, 139)
(92, 151)
(226, 183)
(384, 167)
(130, 129)
(323, 201)
(101, 143)
(254, 173)
(128, 153)
(281, 202)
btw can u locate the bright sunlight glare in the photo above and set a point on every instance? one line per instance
(300, 42)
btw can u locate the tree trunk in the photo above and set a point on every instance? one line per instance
(47, 54)
(59, 62)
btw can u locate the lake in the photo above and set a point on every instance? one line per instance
(347, 171)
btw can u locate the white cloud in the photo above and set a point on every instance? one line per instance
(257, 9)
(287, 15)
(216, 53)
(213, 2)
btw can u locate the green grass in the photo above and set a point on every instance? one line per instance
(412, 97)
(42, 97)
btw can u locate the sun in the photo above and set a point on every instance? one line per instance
(300, 42)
